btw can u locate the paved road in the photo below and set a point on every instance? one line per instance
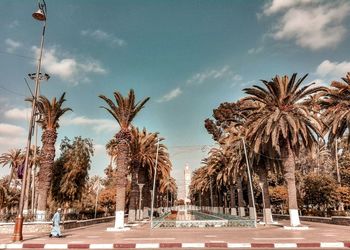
(142, 236)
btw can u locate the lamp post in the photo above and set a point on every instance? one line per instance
(250, 180)
(40, 15)
(154, 181)
(261, 184)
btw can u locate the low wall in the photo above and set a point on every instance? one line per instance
(337, 220)
(45, 227)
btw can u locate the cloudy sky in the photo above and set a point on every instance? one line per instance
(187, 55)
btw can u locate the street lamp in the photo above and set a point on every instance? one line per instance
(39, 15)
(261, 184)
(250, 179)
(154, 181)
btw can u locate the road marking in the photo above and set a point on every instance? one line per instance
(14, 246)
(101, 246)
(93, 236)
(193, 245)
(217, 241)
(76, 241)
(56, 246)
(149, 238)
(210, 236)
(238, 245)
(278, 238)
(147, 245)
(332, 244)
(285, 245)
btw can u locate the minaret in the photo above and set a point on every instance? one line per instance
(187, 174)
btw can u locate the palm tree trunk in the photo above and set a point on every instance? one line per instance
(47, 158)
(233, 200)
(134, 193)
(289, 175)
(241, 209)
(262, 172)
(121, 176)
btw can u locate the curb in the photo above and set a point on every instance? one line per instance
(224, 245)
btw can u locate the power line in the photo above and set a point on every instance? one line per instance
(11, 91)
(18, 55)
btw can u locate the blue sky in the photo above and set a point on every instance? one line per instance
(187, 55)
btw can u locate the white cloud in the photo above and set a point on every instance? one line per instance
(333, 70)
(214, 74)
(311, 24)
(255, 50)
(99, 148)
(13, 24)
(69, 68)
(10, 130)
(99, 125)
(18, 114)
(12, 45)
(275, 6)
(171, 95)
(101, 35)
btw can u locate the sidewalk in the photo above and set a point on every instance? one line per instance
(318, 235)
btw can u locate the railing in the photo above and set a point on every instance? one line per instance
(203, 220)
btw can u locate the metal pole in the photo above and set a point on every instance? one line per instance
(154, 182)
(250, 180)
(17, 234)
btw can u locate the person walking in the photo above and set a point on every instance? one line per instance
(56, 231)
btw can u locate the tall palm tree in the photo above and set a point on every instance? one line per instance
(124, 111)
(336, 108)
(282, 123)
(14, 159)
(49, 114)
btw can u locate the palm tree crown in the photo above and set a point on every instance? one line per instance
(282, 116)
(125, 109)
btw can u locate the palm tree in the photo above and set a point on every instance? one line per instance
(49, 115)
(282, 124)
(124, 111)
(14, 158)
(335, 108)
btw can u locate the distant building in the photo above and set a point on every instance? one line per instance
(187, 175)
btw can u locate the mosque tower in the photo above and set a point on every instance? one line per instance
(187, 174)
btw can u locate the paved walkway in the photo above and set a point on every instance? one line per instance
(97, 237)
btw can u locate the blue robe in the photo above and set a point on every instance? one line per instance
(56, 231)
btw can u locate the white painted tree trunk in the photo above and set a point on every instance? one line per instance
(268, 215)
(241, 211)
(233, 211)
(294, 217)
(119, 220)
(40, 215)
(131, 216)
